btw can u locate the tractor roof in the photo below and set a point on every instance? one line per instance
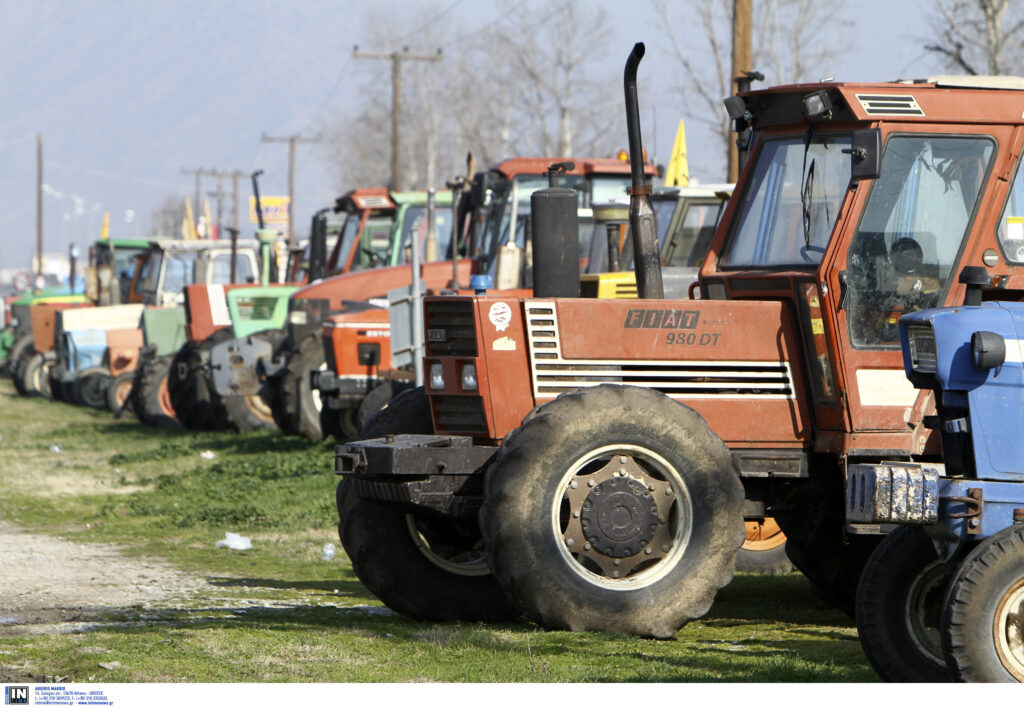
(584, 165)
(938, 99)
(442, 197)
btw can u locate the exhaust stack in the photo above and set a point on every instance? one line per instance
(641, 213)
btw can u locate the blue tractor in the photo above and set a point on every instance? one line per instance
(942, 597)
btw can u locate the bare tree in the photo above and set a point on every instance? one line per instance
(979, 36)
(519, 86)
(793, 41)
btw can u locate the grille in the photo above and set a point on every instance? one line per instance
(456, 413)
(250, 308)
(451, 328)
(889, 105)
(552, 374)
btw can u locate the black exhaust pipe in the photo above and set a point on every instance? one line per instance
(555, 236)
(317, 267)
(641, 213)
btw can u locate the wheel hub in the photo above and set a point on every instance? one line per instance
(619, 516)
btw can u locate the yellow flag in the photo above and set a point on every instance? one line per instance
(678, 172)
(105, 231)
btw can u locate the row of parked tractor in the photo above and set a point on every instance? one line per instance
(228, 334)
(597, 412)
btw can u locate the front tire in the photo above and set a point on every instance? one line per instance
(195, 402)
(151, 399)
(899, 608)
(983, 622)
(613, 508)
(119, 394)
(422, 565)
(89, 387)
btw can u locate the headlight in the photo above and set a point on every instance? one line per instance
(922, 349)
(469, 377)
(298, 317)
(437, 376)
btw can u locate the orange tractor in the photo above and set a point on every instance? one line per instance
(591, 463)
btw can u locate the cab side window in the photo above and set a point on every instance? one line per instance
(1011, 225)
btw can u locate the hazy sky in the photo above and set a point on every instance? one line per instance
(127, 94)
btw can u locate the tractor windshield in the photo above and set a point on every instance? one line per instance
(416, 222)
(790, 203)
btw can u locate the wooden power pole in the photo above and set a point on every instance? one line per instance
(292, 140)
(396, 59)
(742, 17)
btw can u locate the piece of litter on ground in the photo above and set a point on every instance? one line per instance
(55, 448)
(328, 551)
(208, 455)
(234, 541)
(110, 666)
(8, 619)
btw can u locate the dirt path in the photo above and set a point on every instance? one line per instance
(47, 583)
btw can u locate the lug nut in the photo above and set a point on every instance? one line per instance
(573, 485)
(618, 562)
(588, 546)
(648, 551)
(570, 542)
(590, 483)
(575, 514)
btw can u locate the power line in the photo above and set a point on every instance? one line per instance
(429, 22)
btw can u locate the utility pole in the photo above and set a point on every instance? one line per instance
(292, 140)
(39, 203)
(741, 59)
(218, 175)
(396, 59)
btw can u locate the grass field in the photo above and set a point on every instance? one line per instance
(279, 612)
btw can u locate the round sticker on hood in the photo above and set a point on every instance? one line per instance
(500, 315)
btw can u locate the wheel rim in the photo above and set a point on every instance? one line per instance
(258, 406)
(460, 561)
(623, 518)
(122, 391)
(923, 611)
(763, 535)
(1008, 629)
(164, 395)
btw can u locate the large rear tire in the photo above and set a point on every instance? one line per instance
(983, 622)
(300, 402)
(613, 508)
(421, 565)
(899, 608)
(35, 374)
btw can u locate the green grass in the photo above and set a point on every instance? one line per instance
(278, 612)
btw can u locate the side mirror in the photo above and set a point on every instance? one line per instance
(866, 154)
